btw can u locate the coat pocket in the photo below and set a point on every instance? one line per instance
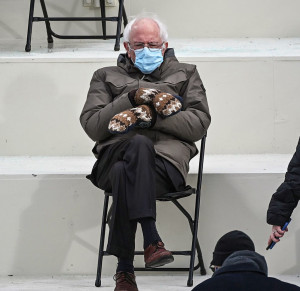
(120, 84)
(175, 82)
(178, 77)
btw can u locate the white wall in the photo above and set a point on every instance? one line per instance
(194, 18)
(254, 108)
(50, 224)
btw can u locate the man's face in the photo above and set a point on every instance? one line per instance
(144, 32)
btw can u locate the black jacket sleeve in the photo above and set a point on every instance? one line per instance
(287, 196)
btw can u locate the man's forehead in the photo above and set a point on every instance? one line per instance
(145, 28)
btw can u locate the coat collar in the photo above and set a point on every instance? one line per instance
(243, 261)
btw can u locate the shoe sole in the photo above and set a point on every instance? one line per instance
(160, 262)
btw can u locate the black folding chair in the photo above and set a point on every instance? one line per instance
(173, 197)
(103, 19)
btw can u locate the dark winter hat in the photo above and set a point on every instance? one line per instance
(229, 243)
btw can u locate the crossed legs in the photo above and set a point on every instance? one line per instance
(135, 175)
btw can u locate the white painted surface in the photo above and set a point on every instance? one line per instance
(54, 219)
(51, 223)
(191, 49)
(145, 282)
(242, 164)
(196, 18)
(46, 165)
(214, 164)
(253, 99)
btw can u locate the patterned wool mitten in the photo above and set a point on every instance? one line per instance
(140, 116)
(167, 104)
(142, 96)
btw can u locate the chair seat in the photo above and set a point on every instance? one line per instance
(170, 196)
(177, 195)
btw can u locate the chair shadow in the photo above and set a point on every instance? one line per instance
(56, 231)
(14, 34)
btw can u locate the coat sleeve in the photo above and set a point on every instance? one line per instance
(100, 107)
(287, 196)
(192, 122)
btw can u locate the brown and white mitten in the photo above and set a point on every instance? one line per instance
(140, 116)
(142, 96)
(167, 104)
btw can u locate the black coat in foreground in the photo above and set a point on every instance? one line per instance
(287, 196)
(244, 271)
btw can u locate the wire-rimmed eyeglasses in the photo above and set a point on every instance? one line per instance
(150, 45)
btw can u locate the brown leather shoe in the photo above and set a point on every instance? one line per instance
(125, 282)
(156, 255)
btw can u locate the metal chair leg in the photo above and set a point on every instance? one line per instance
(47, 23)
(197, 209)
(195, 247)
(102, 6)
(200, 258)
(125, 20)
(118, 33)
(102, 237)
(29, 31)
(195, 229)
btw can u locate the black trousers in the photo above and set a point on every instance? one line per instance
(135, 176)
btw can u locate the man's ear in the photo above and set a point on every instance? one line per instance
(130, 53)
(166, 44)
(126, 46)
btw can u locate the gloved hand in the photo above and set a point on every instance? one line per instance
(142, 96)
(140, 116)
(167, 104)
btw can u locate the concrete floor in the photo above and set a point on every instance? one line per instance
(145, 282)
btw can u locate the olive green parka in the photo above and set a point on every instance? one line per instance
(173, 137)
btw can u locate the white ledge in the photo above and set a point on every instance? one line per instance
(82, 165)
(243, 164)
(203, 49)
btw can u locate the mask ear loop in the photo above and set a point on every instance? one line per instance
(131, 49)
(162, 48)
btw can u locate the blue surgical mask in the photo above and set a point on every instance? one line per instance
(147, 60)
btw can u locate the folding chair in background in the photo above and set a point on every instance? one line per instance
(103, 19)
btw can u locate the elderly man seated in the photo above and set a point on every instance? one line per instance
(145, 115)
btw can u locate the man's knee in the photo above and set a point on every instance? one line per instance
(117, 169)
(141, 141)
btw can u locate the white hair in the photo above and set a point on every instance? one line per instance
(162, 26)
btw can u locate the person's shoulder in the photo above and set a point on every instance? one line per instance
(174, 64)
(281, 285)
(107, 70)
(205, 285)
(103, 72)
(189, 68)
(176, 67)
(215, 283)
(298, 150)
